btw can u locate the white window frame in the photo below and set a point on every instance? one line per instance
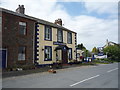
(22, 56)
(69, 38)
(60, 36)
(23, 24)
(70, 53)
(48, 53)
(48, 33)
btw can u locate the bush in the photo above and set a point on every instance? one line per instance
(57, 64)
(28, 67)
(113, 52)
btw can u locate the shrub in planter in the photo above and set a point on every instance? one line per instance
(25, 67)
(58, 65)
(14, 67)
(71, 62)
(75, 62)
(9, 69)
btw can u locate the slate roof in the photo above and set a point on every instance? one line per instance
(35, 19)
(110, 43)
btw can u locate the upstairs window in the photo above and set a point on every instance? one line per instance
(48, 33)
(60, 36)
(21, 53)
(22, 28)
(69, 38)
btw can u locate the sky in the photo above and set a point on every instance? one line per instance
(95, 21)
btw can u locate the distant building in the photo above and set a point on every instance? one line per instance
(101, 54)
(79, 54)
(109, 43)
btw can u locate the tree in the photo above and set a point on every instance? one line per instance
(95, 50)
(87, 53)
(81, 46)
(113, 52)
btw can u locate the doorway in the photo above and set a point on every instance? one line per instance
(3, 58)
(64, 56)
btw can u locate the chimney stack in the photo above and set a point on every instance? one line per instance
(20, 9)
(58, 22)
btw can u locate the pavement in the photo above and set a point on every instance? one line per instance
(6, 74)
(101, 76)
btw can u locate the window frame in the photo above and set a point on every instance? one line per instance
(24, 53)
(48, 59)
(70, 58)
(61, 35)
(25, 30)
(69, 34)
(50, 33)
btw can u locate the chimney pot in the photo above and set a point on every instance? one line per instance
(20, 9)
(58, 21)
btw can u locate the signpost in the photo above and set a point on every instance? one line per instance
(59, 43)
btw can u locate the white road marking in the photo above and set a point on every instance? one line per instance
(112, 70)
(84, 80)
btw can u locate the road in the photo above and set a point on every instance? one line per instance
(101, 76)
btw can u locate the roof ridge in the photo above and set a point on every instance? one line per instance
(35, 19)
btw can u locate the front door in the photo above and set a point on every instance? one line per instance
(64, 56)
(3, 56)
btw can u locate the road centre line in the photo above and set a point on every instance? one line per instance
(84, 80)
(112, 70)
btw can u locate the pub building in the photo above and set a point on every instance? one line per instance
(54, 43)
(27, 40)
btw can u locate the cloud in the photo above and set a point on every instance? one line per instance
(91, 30)
(88, 0)
(102, 7)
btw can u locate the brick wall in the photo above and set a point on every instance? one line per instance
(11, 39)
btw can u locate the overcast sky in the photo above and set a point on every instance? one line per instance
(93, 21)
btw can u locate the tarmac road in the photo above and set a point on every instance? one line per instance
(101, 76)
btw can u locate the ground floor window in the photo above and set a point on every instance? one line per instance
(78, 55)
(70, 53)
(59, 55)
(48, 53)
(21, 53)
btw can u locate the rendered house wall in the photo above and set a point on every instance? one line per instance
(41, 43)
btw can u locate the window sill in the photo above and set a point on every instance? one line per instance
(48, 60)
(69, 43)
(60, 42)
(47, 40)
(21, 60)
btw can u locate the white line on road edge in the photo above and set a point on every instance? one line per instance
(84, 80)
(112, 70)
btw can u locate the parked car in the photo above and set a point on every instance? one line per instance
(87, 59)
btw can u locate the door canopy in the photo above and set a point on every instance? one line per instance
(61, 47)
